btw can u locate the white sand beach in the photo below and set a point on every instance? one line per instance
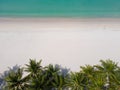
(70, 42)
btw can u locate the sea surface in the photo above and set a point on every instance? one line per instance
(60, 8)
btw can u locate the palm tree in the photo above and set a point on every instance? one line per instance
(116, 79)
(88, 69)
(48, 79)
(50, 71)
(5, 74)
(58, 82)
(77, 81)
(33, 68)
(2, 79)
(56, 76)
(16, 81)
(108, 68)
(90, 73)
(98, 82)
(39, 82)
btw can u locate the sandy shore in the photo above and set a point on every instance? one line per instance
(37, 24)
(95, 39)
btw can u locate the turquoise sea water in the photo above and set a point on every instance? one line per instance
(60, 8)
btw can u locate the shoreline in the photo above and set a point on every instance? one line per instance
(56, 24)
(59, 19)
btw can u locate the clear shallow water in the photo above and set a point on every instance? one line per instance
(68, 48)
(60, 8)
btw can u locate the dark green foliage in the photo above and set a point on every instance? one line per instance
(33, 67)
(77, 81)
(15, 80)
(105, 76)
